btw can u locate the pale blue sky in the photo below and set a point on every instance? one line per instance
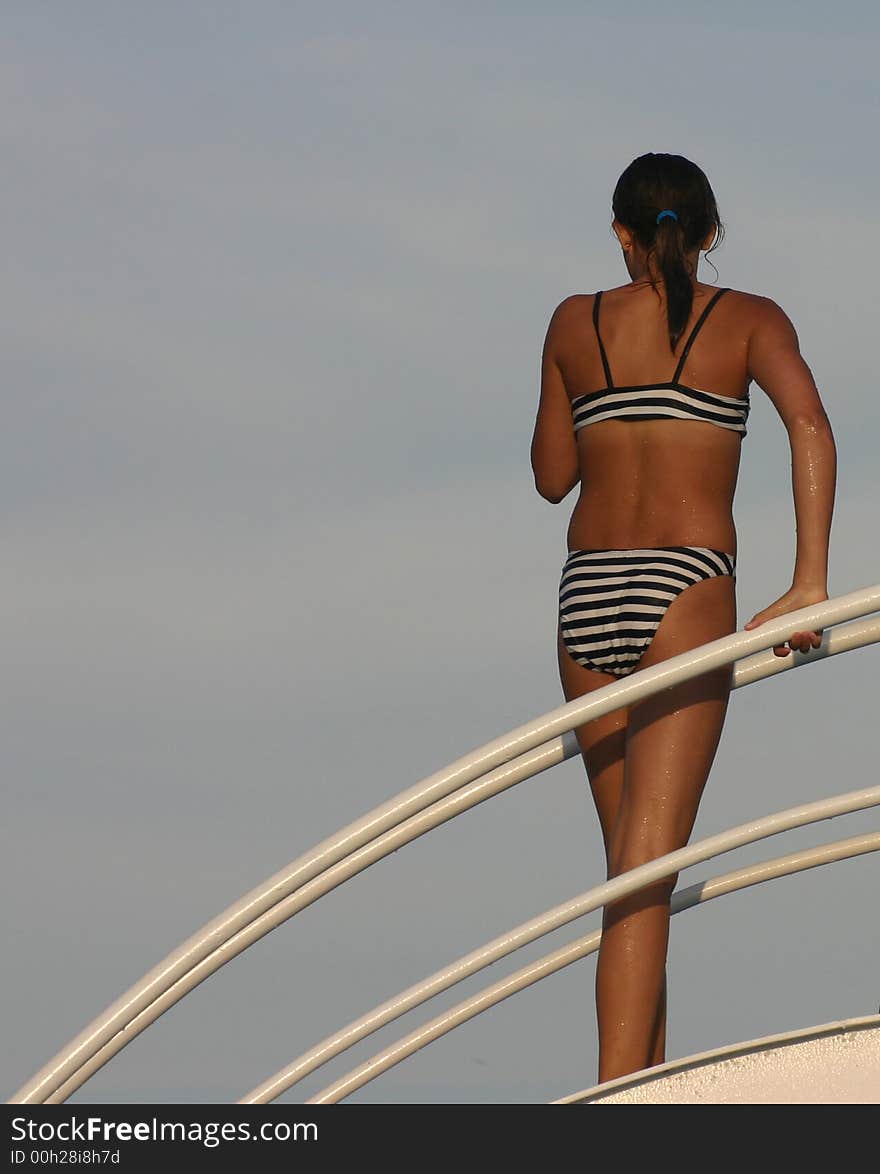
(277, 280)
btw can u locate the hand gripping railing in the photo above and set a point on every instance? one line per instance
(532, 747)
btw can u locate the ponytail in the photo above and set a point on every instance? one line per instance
(669, 250)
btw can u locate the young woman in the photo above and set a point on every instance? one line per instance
(644, 401)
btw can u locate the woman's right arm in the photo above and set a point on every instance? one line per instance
(554, 453)
(776, 365)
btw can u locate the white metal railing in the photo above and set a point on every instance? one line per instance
(497, 765)
(699, 893)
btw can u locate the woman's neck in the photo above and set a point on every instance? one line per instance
(643, 272)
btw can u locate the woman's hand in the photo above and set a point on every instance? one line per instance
(796, 598)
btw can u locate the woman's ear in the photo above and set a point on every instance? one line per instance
(623, 234)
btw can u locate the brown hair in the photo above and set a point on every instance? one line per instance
(656, 183)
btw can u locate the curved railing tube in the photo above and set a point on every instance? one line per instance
(542, 968)
(716, 654)
(697, 894)
(496, 781)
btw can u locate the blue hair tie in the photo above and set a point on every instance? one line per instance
(666, 212)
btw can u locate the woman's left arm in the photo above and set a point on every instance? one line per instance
(554, 447)
(777, 366)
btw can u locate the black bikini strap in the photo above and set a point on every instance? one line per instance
(690, 342)
(596, 301)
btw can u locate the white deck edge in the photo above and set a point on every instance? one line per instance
(717, 1055)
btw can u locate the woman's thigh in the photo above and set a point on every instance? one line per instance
(602, 741)
(672, 736)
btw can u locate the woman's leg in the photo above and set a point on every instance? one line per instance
(671, 739)
(602, 741)
(603, 747)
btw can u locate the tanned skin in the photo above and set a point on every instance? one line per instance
(655, 483)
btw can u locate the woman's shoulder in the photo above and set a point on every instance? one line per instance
(569, 315)
(758, 304)
(758, 313)
(572, 305)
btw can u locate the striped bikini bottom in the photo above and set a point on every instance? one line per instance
(611, 602)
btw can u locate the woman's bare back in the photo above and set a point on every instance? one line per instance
(664, 482)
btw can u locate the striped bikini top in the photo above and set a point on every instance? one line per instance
(659, 401)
